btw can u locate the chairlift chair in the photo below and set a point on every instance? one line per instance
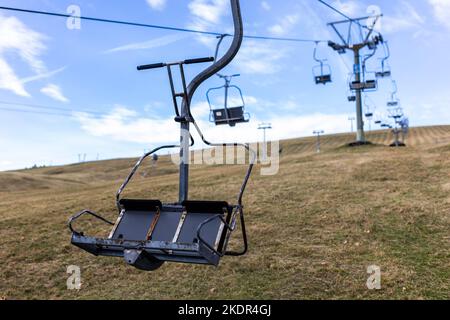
(322, 72)
(149, 233)
(394, 102)
(365, 85)
(228, 115)
(368, 85)
(385, 71)
(337, 47)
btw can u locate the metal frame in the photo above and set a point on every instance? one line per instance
(394, 102)
(324, 77)
(229, 119)
(385, 71)
(144, 254)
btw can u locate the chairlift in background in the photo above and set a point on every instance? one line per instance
(378, 118)
(369, 110)
(322, 72)
(351, 97)
(369, 78)
(376, 40)
(227, 114)
(396, 114)
(385, 71)
(366, 83)
(337, 47)
(394, 102)
(370, 106)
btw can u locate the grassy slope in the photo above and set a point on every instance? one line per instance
(314, 228)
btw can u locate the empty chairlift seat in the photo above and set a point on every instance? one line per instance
(392, 104)
(322, 72)
(383, 74)
(364, 86)
(148, 233)
(323, 79)
(230, 116)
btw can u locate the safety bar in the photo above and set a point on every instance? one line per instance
(151, 66)
(82, 213)
(230, 228)
(162, 64)
(200, 60)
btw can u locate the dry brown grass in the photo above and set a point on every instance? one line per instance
(314, 228)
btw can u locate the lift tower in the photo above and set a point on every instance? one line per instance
(363, 28)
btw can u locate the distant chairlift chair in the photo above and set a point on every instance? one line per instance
(394, 102)
(148, 233)
(385, 71)
(228, 115)
(367, 84)
(322, 72)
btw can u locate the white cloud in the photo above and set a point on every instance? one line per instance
(206, 16)
(124, 124)
(157, 4)
(208, 10)
(53, 91)
(40, 76)
(350, 8)
(266, 6)
(10, 81)
(286, 25)
(27, 44)
(405, 18)
(441, 9)
(154, 43)
(260, 58)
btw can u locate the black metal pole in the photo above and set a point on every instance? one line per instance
(193, 86)
(360, 136)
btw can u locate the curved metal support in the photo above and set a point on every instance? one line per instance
(387, 55)
(367, 58)
(244, 237)
(231, 229)
(82, 213)
(224, 61)
(136, 168)
(320, 61)
(203, 224)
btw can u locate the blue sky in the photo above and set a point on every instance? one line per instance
(42, 62)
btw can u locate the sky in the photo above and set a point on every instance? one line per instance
(95, 103)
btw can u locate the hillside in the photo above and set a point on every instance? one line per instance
(314, 227)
